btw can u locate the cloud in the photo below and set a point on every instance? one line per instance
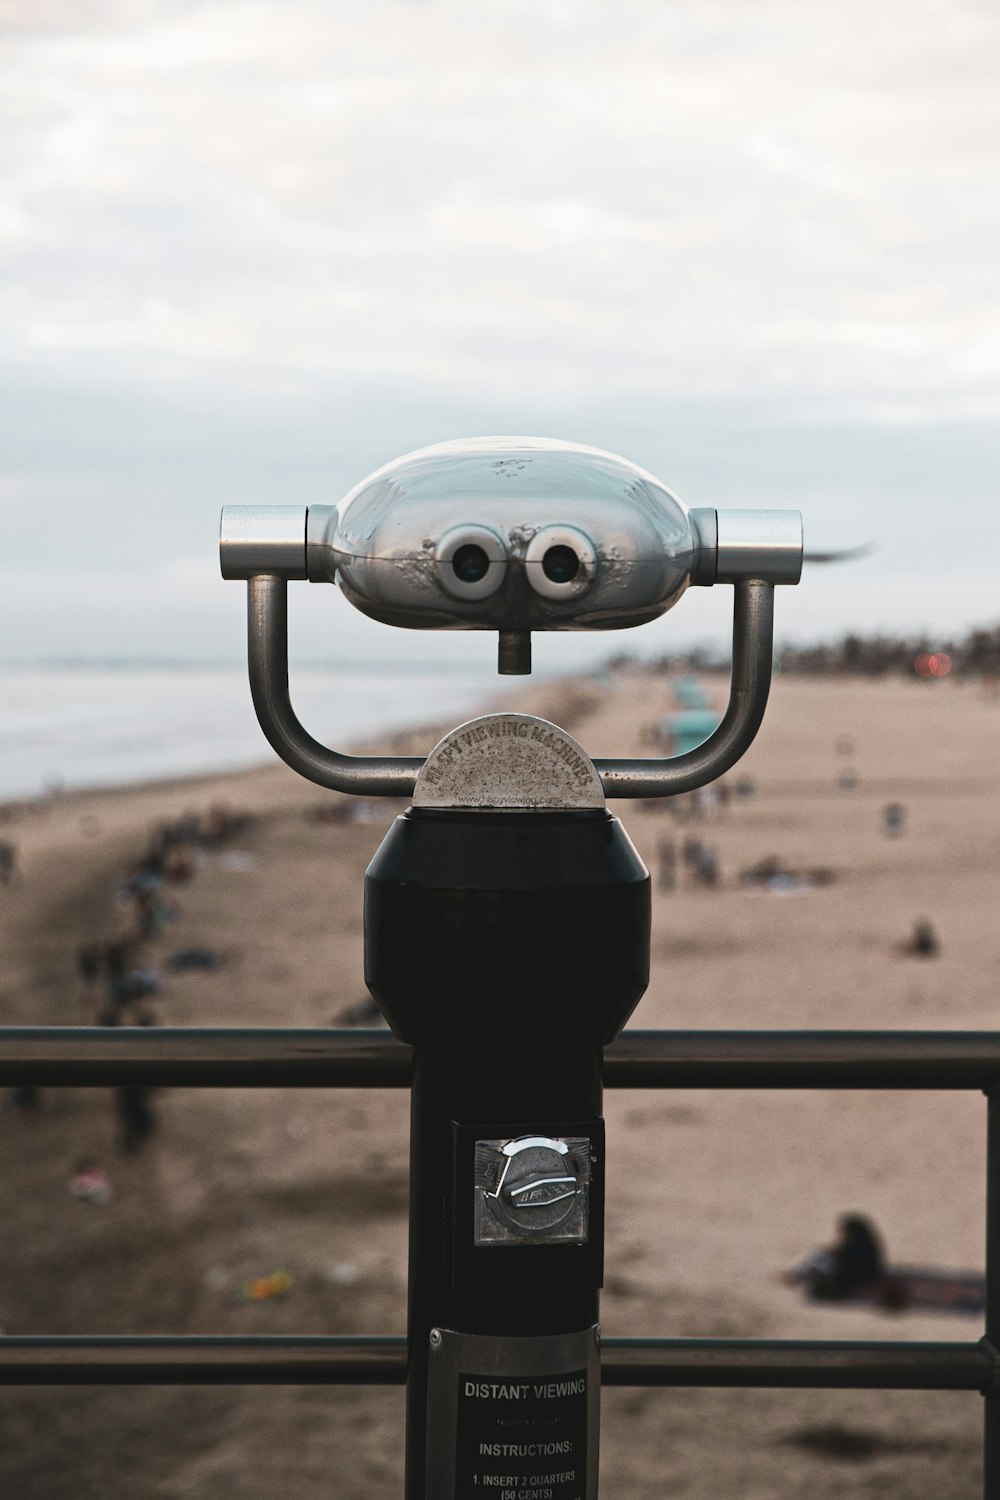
(251, 250)
(709, 198)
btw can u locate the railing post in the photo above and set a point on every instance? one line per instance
(991, 1403)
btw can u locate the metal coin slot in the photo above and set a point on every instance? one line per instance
(535, 1188)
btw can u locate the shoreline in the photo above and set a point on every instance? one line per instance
(88, 731)
(403, 738)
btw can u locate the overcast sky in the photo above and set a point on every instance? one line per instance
(250, 251)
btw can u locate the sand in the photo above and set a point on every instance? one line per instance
(711, 1195)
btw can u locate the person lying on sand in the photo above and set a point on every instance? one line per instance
(852, 1263)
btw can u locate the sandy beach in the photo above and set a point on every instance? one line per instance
(711, 1195)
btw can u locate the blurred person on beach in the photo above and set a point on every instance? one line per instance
(182, 862)
(893, 819)
(116, 958)
(222, 823)
(666, 855)
(152, 913)
(132, 977)
(923, 941)
(174, 849)
(141, 980)
(89, 961)
(25, 1098)
(8, 861)
(853, 1263)
(701, 862)
(136, 1119)
(133, 1102)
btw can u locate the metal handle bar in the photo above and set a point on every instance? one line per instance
(395, 775)
(750, 684)
(267, 639)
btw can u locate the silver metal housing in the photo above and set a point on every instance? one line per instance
(538, 535)
(511, 534)
(631, 538)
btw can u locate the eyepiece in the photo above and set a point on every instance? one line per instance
(471, 562)
(560, 564)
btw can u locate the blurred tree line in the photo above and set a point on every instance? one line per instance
(976, 654)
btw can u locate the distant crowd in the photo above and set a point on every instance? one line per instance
(119, 973)
(692, 860)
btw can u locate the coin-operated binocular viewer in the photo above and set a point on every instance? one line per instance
(507, 912)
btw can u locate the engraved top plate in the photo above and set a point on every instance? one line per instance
(508, 761)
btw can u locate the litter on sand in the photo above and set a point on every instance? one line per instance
(90, 1183)
(262, 1288)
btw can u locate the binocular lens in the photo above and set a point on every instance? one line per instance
(560, 564)
(470, 563)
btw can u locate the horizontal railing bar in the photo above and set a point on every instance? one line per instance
(234, 1057)
(61, 1360)
(804, 1059)
(52, 1360)
(813, 1364)
(202, 1057)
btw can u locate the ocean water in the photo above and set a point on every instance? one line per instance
(70, 728)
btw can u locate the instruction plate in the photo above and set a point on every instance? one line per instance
(513, 1417)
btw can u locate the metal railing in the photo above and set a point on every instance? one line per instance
(237, 1058)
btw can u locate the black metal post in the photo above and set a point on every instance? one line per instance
(507, 948)
(991, 1404)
